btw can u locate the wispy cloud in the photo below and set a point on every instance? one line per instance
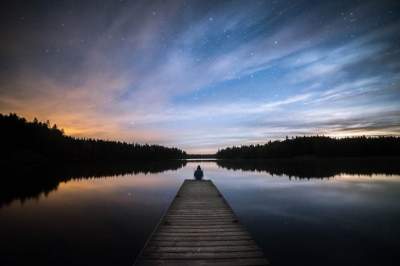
(204, 76)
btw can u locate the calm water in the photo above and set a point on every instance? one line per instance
(342, 220)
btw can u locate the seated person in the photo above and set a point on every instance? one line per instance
(198, 174)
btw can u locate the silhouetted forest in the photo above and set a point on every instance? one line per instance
(310, 168)
(317, 146)
(23, 141)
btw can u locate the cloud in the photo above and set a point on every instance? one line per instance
(131, 71)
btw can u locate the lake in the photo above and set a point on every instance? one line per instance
(329, 215)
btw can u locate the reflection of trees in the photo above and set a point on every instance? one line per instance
(317, 168)
(31, 182)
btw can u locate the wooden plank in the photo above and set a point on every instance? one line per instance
(203, 255)
(198, 212)
(201, 243)
(200, 238)
(209, 228)
(203, 249)
(202, 234)
(222, 262)
(200, 228)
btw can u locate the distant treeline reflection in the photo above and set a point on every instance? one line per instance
(22, 183)
(317, 167)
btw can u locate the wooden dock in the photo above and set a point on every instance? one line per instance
(200, 228)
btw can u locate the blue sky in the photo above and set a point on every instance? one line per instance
(202, 75)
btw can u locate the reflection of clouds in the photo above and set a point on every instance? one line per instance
(132, 181)
(366, 178)
(310, 201)
(118, 188)
(135, 78)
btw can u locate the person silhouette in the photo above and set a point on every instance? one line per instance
(198, 174)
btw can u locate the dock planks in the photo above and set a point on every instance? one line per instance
(200, 228)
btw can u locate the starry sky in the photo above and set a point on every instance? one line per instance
(202, 75)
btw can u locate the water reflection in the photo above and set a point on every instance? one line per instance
(86, 221)
(350, 219)
(30, 183)
(24, 183)
(317, 168)
(344, 220)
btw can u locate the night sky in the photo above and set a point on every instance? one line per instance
(202, 75)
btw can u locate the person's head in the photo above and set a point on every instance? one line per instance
(198, 167)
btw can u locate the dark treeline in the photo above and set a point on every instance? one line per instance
(316, 146)
(310, 168)
(24, 183)
(40, 142)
